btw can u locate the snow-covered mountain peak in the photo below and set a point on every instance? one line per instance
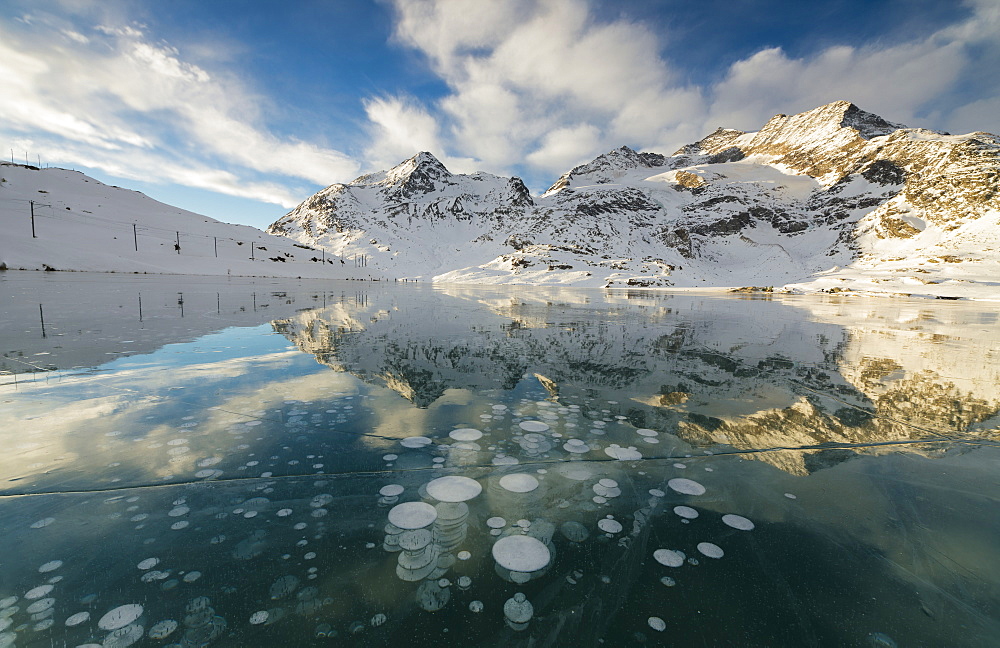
(829, 188)
(606, 168)
(420, 173)
(422, 164)
(720, 140)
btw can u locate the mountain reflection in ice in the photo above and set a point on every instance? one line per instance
(493, 467)
(746, 374)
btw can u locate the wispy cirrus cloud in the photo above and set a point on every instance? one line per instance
(110, 97)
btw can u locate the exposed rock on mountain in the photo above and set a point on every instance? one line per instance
(834, 197)
(739, 374)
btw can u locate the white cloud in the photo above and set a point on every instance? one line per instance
(114, 90)
(400, 128)
(522, 73)
(546, 84)
(565, 148)
(894, 82)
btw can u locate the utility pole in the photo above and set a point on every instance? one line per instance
(135, 237)
(215, 241)
(32, 203)
(177, 246)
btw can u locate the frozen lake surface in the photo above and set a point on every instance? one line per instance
(194, 462)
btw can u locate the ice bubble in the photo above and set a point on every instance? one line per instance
(518, 610)
(320, 500)
(686, 486)
(52, 565)
(259, 617)
(656, 623)
(881, 640)
(496, 523)
(162, 629)
(120, 617)
(77, 619)
(378, 619)
(148, 563)
(519, 483)
(191, 577)
(669, 582)
(177, 526)
(533, 426)
(466, 434)
(391, 490)
(453, 488)
(7, 602)
(520, 577)
(464, 555)
(668, 557)
(656, 492)
(124, 637)
(500, 460)
(37, 592)
(607, 491)
(574, 531)
(415, 442)
(521, 553)
(390, 457)
(646, 432)
(710, 550)
(609, 526)
(285, 512)
(307, 593)
(622, 454)
(790, 496)
(283, 586)
(413, 515)
(476, 606)
(432, 597)
(44, 522)
(738, 522)
(41, 605)
(686, 512)
(154, 575)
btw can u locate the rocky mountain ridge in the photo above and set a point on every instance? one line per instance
(835, 197)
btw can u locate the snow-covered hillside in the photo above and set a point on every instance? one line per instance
(82, 224)
(831, 199)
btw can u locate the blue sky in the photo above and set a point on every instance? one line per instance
(239, 110)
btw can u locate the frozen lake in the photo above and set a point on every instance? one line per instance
(194, 462)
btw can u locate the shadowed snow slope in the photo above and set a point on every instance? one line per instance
(831, 199)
